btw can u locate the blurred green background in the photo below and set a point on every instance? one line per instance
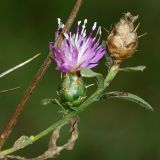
(113, 129)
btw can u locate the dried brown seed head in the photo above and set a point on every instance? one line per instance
(123, 39)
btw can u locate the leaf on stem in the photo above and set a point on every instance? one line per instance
(47, 101)
(127, 96)
(88, 73)
(129, 69)
(22, 142)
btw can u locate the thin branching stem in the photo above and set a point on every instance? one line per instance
(20, 107)
(94, 97)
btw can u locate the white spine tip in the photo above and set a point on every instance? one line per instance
(94, 26)
(83, 26)
(84, 33)
(85, 21)
(66, 35)
(100, 30)
(79, 22)
(59, 21)
(62, 25)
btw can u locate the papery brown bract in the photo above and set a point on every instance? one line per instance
(123, 39)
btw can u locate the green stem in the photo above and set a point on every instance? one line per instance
(110, 76)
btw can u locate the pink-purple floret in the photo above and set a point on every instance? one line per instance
(77, 50)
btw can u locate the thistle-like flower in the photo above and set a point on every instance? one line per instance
(77, 50)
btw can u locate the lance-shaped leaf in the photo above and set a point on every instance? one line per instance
(47, 101)
(22, 142)
(129, 69)
(127, 96)
(88, 73)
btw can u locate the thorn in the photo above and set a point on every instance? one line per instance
(82, 98)
(58, 103)
(90, 85)
(57, 93)
(142, 35)
(136, 27)
(112, 26)
(106, 30)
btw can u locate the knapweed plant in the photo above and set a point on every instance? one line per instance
(75, 55)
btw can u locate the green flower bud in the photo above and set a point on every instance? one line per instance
(72, 90)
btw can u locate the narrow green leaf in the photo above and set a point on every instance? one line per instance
(88, 73)
(18, 66)
(47, 101)
(127, 96)
(8, 90)
(129, 69)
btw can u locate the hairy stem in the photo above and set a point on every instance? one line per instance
(110, 76)
(20, 107)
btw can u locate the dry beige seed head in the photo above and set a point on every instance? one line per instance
(123, 40)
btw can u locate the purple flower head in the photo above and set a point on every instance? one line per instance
(77, 50)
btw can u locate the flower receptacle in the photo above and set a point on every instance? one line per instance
(72, 90)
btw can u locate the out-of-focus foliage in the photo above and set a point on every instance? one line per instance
(112, 129)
